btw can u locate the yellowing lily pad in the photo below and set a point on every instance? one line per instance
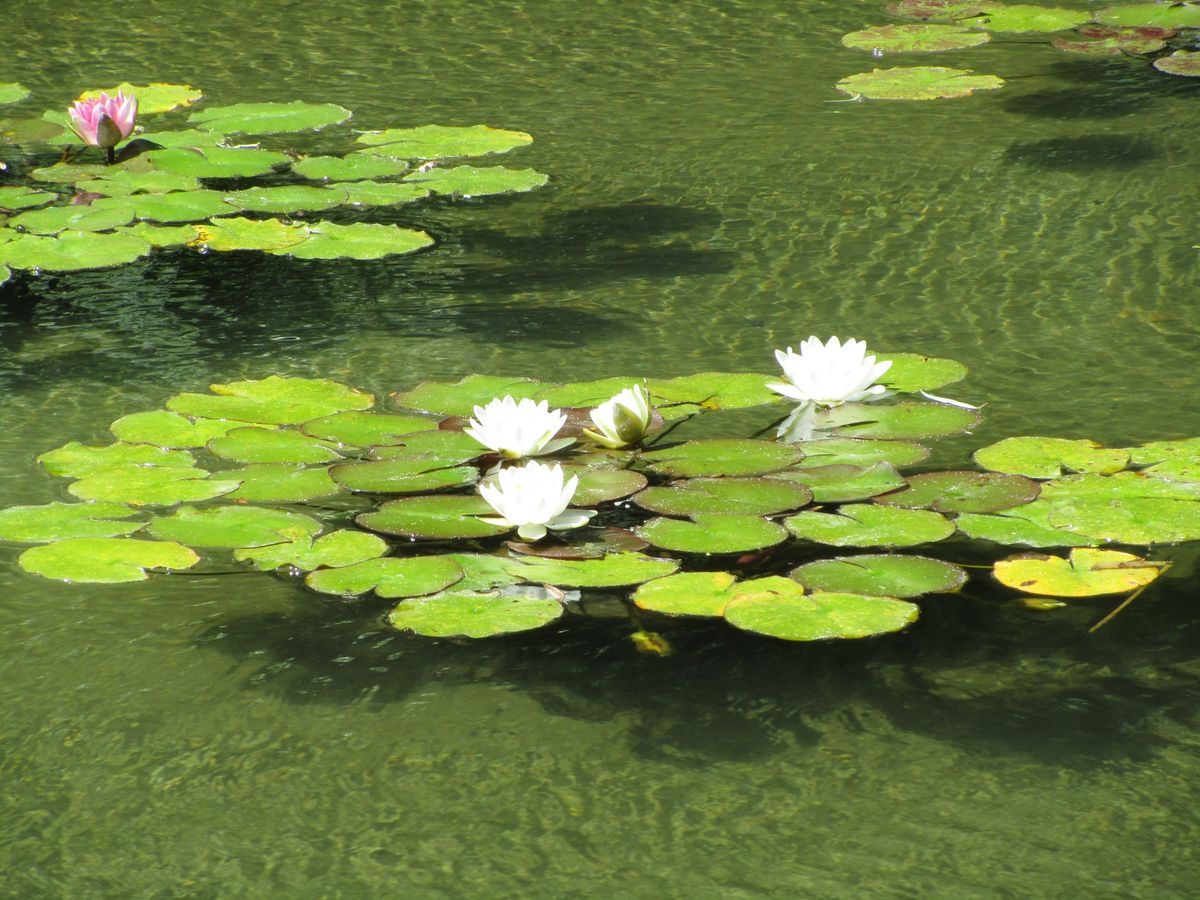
(105, 560)
(442, 142)
(1085, 573)
(917, 83)
(914, 38)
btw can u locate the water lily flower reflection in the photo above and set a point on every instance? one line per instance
(533, 498)
(621, 421)
(104, 121)
(830, 374)
(515, 430)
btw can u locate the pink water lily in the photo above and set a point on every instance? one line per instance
(104, 121)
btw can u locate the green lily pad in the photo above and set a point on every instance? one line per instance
(69, 173)
(104, 560)
(1086, 573)
(76, 460)
(442, 142)
(934, 9)
(183, 137)
(167, 429)
(72, 251)
(866, 525)
(14, 197)
(483, 572)
(140, 485)
(217, 162)
(237, 233)
(158, 97)
(56, 521)
(687, 594)
(381, 193)
(1026, 17)
(353, 167)
(389, 577)
(1172, 460)
(438, 517)
(746, 496)
(914, 38)
(270, 118)
(965, 492)
(911, 372)
(679, 396)
(584, 393)
(468, 181)
(448, 448)
(281, 483)
(269, 445)
(334, 550)
(601, 485)
(917, 83)
(722, 456)
(404, 475)
(778, 607)
(122, 182)
(11, 92)
(460, 398)
(476, 614)
(54, 219)
(361, 240)
(713, 533)
(1107, 40)
(233, 526)
(180, 206)
(881, 575)
(367, 429)
(161, 236)
(1157, 15)
(841, 484)
(1040, 457)
(1009, 530)
(272, 400)
(856, 452)
(896, 421)
(290, 198)
(1181, 62)
(614, 570)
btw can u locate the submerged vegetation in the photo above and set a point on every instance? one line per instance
(831, 528)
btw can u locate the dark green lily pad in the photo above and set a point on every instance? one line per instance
(11, 92)
(157, 97)
(442, 142)
(72, 251)
(272, 400)
(1026, 17)
(914, 38)
(615, 570)
(404, 475)
(917, 83)
(965, 492)
(1041, 457)
(866, 525)
(1181, 62)
(140, 485)
(1156, 15)
(713, 533)
(1009, 530)
(56, 521)
(104, 560)
(855, 452)
(252, 444)
(722, 456)
(238, 233)
(389, 577)
(367, 429)
(270, 118)
(233, 526)
(361, 240)
(896, 421)
(14, 197)
(601, 485)
(746, 496)
(841, 484)
(76, 460)
(687, 594)
(477, 614)
(217, 162)
(934, 9)
(438, 517)
(1086, 573)
(333, 550)
(778, 607)
(281, 483)
(881, 575)
(1107, 40)
(167, 429)
(353, 167)
(468, 181)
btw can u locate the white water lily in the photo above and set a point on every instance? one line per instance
(622, 420)
(518, 429)
(830, 374)
(533, 498)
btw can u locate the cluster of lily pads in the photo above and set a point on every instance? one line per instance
(499, 504)
(1166, 31)
(89, 202)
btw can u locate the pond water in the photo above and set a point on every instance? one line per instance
(237, 736)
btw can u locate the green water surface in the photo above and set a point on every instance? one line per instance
(711, 200)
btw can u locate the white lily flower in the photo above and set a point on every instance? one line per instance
(515, 430)
(533, 498)
(830, 374)
(622, 420)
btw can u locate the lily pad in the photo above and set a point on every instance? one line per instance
(366, 429)
(405, 475)
(615, 570)
(1085, 573)
(687, 594)
(1158, 15)
(158, 97)
(482, 571)
(56, 521)
(886, 575)
(602, 485)
(439, 517)
(1009, 530)
(361, 240)
(476, 614)
(270, 118)
(104, 560)
(1026, 17)
(710, 390)
(72, 251)
(856, 452)
(217, 162)
(122, 182)
(934, 9)
(54, 219)
(448, 448)
(281, 483)
(161, 236)
(747, 496)
(11, 92)
(140, 485)
(76, 460)
(333, 550)
(1181, 62)
(866, 525)
(180, 206)
(917, 83)
(1172, 460)
(167, 429)
(389, 577)
(468, 181)
(841, 484)
(778, 607)
(269, 445)
(352, 167)
(965, 492)
(1039, 457)
(233, 526)
(896, 421)
(272, 400)
(289, 198)
(14, 197)
(442, 142)
(459, 398)
(914, 38)
(381, 193)
(239, 233)
(722, 456)
(713, 533)
(1107, 40)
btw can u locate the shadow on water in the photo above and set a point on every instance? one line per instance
(1024, 684)
(1085, 153)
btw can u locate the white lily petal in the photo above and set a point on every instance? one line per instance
(947, 401)
(830, 374)
(532, 532)
(571, 518)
